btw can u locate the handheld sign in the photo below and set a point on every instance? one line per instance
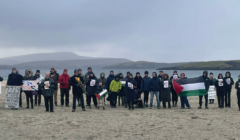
(211, 92)
(175, 77)
(29, 85)
(228, 81)
(92, 82)
(165, 84)
(46, 85)
(130, 85)
(220, 82)
(12, 97)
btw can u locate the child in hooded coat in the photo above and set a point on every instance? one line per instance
(101, 102)
(115, 88)
(237, 86)
(166, 91)
(220, 85)
(228, 88)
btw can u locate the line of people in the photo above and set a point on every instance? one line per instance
(125, 95)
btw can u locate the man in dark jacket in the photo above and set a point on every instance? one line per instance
(207, 84)
(127, 76)
(47, 86)
(29, 94)
(88, 73)
(15, 79)
(109, 79)
(84, 81)
(55, 76)
(145, 87)
(174, 94)
(155, 86)
(160, 76)
(39, 78)
(138, 79)
(91, 84)
(237, 86)
(228, 89)
(77, 91)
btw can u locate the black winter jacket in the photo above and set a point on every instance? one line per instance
(47, 92)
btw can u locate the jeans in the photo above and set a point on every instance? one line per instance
(206, 100)
(184, 101)
(156, 93)
(228, 98)
(75, 96)
(49, 99)
(65, 91)
(146, 95)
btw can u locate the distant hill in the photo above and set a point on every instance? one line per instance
(211, 65)
(94, 63)
(41, 57)
(141, 65)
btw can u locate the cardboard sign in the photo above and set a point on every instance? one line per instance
(46, 85)
(12, 97)
(130, 85)
(92, 83)
(29, 85)
(211, 92)
(220, 82)
(166, 84)
(228, 80)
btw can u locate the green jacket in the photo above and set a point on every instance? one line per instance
(115, 86)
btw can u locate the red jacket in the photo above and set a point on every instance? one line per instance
(64, 79)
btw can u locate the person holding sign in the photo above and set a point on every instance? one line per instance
(229, 83)
(207, 84)
(174, 94)
(121, 95)
(39, 79)
(166, 91)
(212, 83)
(155, 86)
(115, 88)
(99, 90)
(130, 91)
(64, 87)
(91, 84)
(146, 87)
(220, 85)
(29, 94)
(184, 100)
(138, 79)
(237, 86)
(47, 86)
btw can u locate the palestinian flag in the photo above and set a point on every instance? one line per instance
(189, 87)
(123, 83)
(101, 94)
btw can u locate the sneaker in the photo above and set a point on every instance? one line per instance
(51, 111)
(46, 111)
(67, 106)
(199, 107)
(206, 107)
(189, 107)
(150, 107)
(159, 108)
(146, 105)
(27, 107)
(182, 107)
(103, 108)
(73, 110)
(89, 107)
(83, 109)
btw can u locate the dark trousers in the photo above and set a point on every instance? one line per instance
(206, 100)
(29, 96)
(160, 96)
(89, 97)
(228, 98)
(174, 96)
(20, 98)
(220, 96)
(140, 93)
(119, 100)
(38, 98)
(80, 96)
(65, 92)
(238, 97)
(164, 104)
(184, 101)
(146, 95)
(49, 100)
(130, 105)
(113, 96)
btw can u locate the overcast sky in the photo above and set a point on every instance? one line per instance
(151, 30)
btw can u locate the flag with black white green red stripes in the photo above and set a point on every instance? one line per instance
(189, 87)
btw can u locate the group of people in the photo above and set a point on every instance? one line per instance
(118, 93)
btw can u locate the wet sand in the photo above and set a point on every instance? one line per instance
(120, 123)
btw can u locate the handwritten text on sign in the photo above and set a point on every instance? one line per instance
(12, 97)
(211, 92)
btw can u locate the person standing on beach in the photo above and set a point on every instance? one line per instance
(92, 84)
(184, 100)
(84, 81)
(64, 80)
(220, 85)
(237, 86)
(47, 86)
(130, 87)
(20, 96)
(207, 84)
(228, 87)
(39, 77)
(212, 83)
(15, 79)
(88, 73)
(121, 94)
(55, 76)
(174, 94)
(29, 94)
(138, 79)
(115, 88)
(76, 89)
(166, 91)
(146, 87)
(108, 82)
(155, 86)
(160, 76)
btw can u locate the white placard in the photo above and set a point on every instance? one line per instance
(39, 80)
(211, 92)
(46, 85)
(130, 85)
(175, 77)
(92, 83)
(12, 97)
(220, 82)
(228, 81)
(166, 84)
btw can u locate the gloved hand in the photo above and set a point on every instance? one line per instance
(77, 85)
(63, 84)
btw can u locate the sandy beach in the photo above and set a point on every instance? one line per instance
(120, 123)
